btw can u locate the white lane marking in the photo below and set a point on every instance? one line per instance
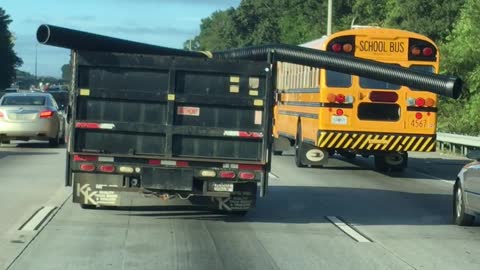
(274, 176)
(451, 182)
(348, 230)
(36, 221)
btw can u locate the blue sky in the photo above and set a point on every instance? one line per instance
(162, 22)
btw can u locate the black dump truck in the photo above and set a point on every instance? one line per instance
(173, 127)
(190, 126)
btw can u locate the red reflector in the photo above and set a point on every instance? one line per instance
(339, 112)
(383, 96)
(245, 134)
(250, 167)
(46, 114)
(87, 167)
(154, 162)
(107, 168)
(87, 125)
(85, 158)
(340, 98)
(337, 47)
(420, 102)
(227, 174)
(246, 175)
(427, 51)
(418, 115)
(182, 164)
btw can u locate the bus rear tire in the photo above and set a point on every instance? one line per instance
(393, 161)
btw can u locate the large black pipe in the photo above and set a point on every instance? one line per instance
(439, 84)
(442, 85)
(78, 40)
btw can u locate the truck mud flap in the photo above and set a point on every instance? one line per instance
(242, 199)
(97, 189)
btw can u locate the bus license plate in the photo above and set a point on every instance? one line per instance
(339, 120)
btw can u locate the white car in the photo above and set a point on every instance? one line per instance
(466, 192)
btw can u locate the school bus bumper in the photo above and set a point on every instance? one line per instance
(375, 141)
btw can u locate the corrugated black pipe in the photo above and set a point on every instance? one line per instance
(442, 85)
(78, 40)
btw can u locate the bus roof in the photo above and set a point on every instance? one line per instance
(320, 43)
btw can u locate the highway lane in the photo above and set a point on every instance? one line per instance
(406, 216)
(30, 175)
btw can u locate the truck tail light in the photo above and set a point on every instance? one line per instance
(250, 167)
(107, 168)
(208, 173)
(82, 158)
(125, 169)
(246, 175)
(87, 167)
(227, 174)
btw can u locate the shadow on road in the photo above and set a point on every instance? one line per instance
(303, 205)
(4, 154)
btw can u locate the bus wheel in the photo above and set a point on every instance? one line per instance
(298, 147)
(392, 161)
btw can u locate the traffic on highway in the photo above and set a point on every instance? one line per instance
(318, 152)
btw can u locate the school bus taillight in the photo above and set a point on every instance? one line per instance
(337, 47)
(429, 102)
(416, 51)
(420, 102)
(340, 98)
(427, 51)
(378, 96)
(347, 47)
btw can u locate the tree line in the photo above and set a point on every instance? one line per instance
(453, 25)
(8, 58)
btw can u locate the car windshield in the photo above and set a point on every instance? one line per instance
(23, 101)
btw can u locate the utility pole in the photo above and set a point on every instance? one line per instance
(190, 44)
(329, 18)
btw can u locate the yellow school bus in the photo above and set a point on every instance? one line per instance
(323, 112)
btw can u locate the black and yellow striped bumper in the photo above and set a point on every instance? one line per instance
(375, 141)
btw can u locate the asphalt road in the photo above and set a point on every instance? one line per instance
(403, 219)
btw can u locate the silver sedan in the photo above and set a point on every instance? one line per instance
(31, 116)
(466, 192)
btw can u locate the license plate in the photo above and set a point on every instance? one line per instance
(22, 116)
(220, 187)
(339, 120)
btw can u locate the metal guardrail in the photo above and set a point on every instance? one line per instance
(452, 142)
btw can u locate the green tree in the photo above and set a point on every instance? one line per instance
(66, 72)
(9, 59)
(433, 18)
(461, 57)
